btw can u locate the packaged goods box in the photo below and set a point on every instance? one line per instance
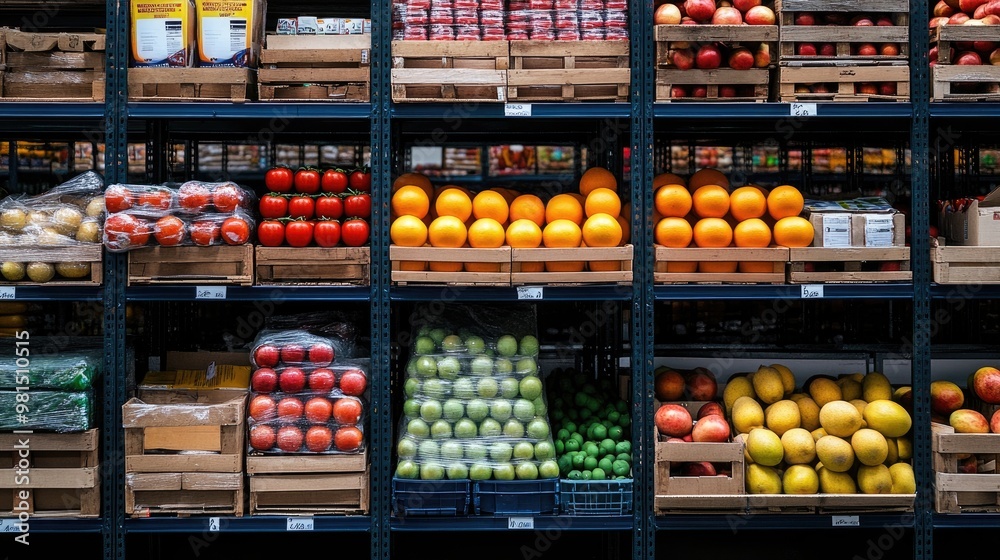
(198, 377)
(229, 32)
(867, 222)
(163, 32)
(976, 224)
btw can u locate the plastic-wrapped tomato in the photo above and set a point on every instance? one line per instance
(124, 231)
(235, 231)
(205, 233)
(169, 231)
(118, 198)
(193, 196)
(227, 197)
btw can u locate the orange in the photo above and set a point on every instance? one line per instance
(564, 207)
(482, 267)
(753, 266)
(486, 232)
(413, 266)
(408, 231)
(453, 202)
(508, 194)
(710, 201)
(602, 230)
(531, 267)
(718, 267)
(707, 176)
(667, 179)
(524, 234)
(713, 232)
(446, 266)
(595, 178)
(562, 233)
(530, 207)
(752, 233)
(603, 201)
(784, 201)
(447, 231)
(793, 231)
(604, 266)
(672, 201)
(415, 179)
(682, 267)
(490, 204)
(673, 232)
(625, 229)
(410, 200)
(747, 202)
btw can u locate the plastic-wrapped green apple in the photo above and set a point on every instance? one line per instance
(501, 452)
(503, 471)
(503, 366)
(428, 449)
(424, 345)
(526, 366)
(523, 451)
(89, 232)
(437, 335)
(490, 428)
(507, 346)
(509, 387)
(411, 387)
(527, 471)
(475, 345)
(487, 388)
(548, 469)
(476, 451)
(407, 469)
(430, 410)
(441, 429)
(418, 428)
(528, 346)
(453, 410)
(458, 471)
(426, 366)
(513, 429)
(411, 368)
(524, 410)
(466, 429)
(406, 448)
(452, 343)
(540, 408)
(531, 387)
(448, 367)
(437, 388)
(500, 410)
(481, 366)
(480, 471)
(463, 388)
(477, 410)
(431, 471)
(452, 450)
(12, 271)
(538, 429)
(545, 450)
(13, 219)
(411, 408)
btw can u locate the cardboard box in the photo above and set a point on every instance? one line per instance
(198, 377)
(306, 25)
(978, 224)
(229, 32)
(162, 33)
(287, 26)
(863, 222)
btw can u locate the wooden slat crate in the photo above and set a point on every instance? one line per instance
(981, 83)
(846, 36)
(497, 261)
(966, 265)
(777, 257)
(221, 264)
(749, 36)
(191, 84)
(308, 484)
(684, 494)
(616, 269)
(92, 253)
(332, 266)
(183, 494)
(569, 71)
(64, 480)
(449, 71)
(843, 80)
(854, 264)
(829, 503)
(51, 66)
(956, 492)
(315, 68)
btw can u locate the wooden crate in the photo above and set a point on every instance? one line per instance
(569, 71)
(756, 78)
(850, 264)
(684, 494)
(315, 68)
(92, 253)
(777, 256)
(620, 259)
(749, 36)
(449, 71)
(299, 266)
(500, 258)
(308, 484)
(966, 265)
(221, 264)
(956, 492)
(183, 494)
(51, 66)
(190, 84)
(829, 503)
(64, 480)
(946, 76)
(843, 36)
(843, 78)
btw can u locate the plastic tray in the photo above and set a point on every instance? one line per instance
(430, 497)
(516, 497)
(596, 497)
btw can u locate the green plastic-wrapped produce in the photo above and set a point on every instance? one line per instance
(73, 372)
(55, 411)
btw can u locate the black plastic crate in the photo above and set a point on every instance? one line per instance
(596, 497)
(516, 497)
(430, 497)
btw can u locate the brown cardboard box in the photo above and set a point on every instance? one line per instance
(198, 377)
(848, 229)
(978, 225)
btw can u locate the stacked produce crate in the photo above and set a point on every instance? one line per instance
(963, 54)
(36, 66)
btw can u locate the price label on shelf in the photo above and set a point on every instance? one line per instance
(812, 291)
(8, 292)
(803, 110)
(517, 110)
(300, 524)
(210, 292)
(521, 523)
(529, 292)
(213, 524)
(10, 526)
(846, 521)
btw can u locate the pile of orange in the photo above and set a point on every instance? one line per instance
(452, 216)
(704, 212)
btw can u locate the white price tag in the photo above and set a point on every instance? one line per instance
(812, 291)
(803, 110)
(10, 526)
(517, 110)
(846, 521)
(8, 292)
(300, 524)
(836, 230)
(210, 292)
(521, 523)
(213, 524)
(529, 292)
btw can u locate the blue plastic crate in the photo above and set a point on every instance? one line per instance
(430, 497)
(514, 497)
(596, 497)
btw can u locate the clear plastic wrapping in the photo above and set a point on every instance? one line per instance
(68, 214)
(56, 411)
(67, 372)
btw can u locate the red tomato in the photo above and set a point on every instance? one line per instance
(193, 196)
(327, 233)
(353, 382)
(354, 232)
(307, 181)
(124, 231)
(347, 411)
(278, 179)
(235, 231)
(348, 439)
(361, 180)
(205, 233)
(169, 231)
(302, 207)
(227, 197)
(331, 207)
(155, 198)
(299, 233)
(117, 198)
(318, 439)
(266, 355)
(358, 206)
(273, 206)
(271, 233)
(334, 181)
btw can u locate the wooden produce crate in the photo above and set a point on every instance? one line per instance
(308, 484)
(498, 259)
(183, 494)
(450, 71)
(525, 262)
(569, 71)
(846, 37)
(315, 68)
(965, 264)
(981, 83)
(829, 503)
(51, 66)
(92, 253)
(956, 492)
(220, 264)
(64, 479)
(231, 85)
(842, 80)
(777, 257)
(301, 266)
(703, 494)
(853, 264)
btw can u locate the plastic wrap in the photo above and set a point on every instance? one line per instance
(64, 372)
(335, 326)
(306, 422)
(300, 348)
(68, 214)
(56, 411)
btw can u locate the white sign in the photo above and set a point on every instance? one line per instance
(846, 521)
(836, 230)
(210, 292)
(878, 230)
(300, 524)
(803, 110)
(213, 524)
(10, 526)
(529, 292)
(812, 291)
(8, 292)
(517, 110)
(521, 523)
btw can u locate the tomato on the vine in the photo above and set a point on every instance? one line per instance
(330, 207)
(354, 232)
(361, 180)
(235, 231)
(299, 233)
(278, 179)
(271, 233)
(327, 233)
(307, 180)
(302, 207)
(358, 206)
(273, 206)
(334, 181)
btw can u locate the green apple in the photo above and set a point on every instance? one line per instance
(476, 451)
(481, 366)
(458, 471)
(464, 388)
(490, 428)
(452, 450)
(411, 368)
(475, 345)
(466, 429)
(437, 388)
(424, 345)
(523, 451)
(504, 471)
(426, 366)
(526, 366)
(501, 452)
(441, 429)
(411, 408)
(406, 448)
(480, 471)
(430, 410)
(437, 335)
(531, 387)
(429, 449)
(545, 450)
(503, 366)
(508, 387)
(528, 346)
(524, 410)
(407, 469)
(513, 429)
(418, 428)
(527, 471)
(507, 346)
(453, 409)
(448, 367)
(540, 408)
(411, 387)
(487, 388)
(548, 469)
(538, 429)
(500, 410)
(431, 471)
(477, 410)
(452, 343)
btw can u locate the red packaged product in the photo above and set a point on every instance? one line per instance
(415, 33)
(568, 35)
(466, 17)
(517, 26)
(492, 33)
(615, 19)
(616, 5)
(441, 17)
(519, 15)
(542, 4)
(466, 4)
(491, 5)
(467, 33)
(518, 36)
(491, 18)
(592, 35)
(442, 4)
(398, 35)
(418, 4)
(616, 34)
(566, 5)
(543, 35)
(591, 4)
(516, 5)
(441, 33)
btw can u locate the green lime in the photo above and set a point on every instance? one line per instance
(586, 475)
(578, 459)
(593, 405)
(623, 447)
(584, 413)
(560, 447)
(590, 463)
(624, 457)
(606, 464)
(597, 474)
(600, 432)
(565, 463)
(591, 449)
(574, 475)
(570, 427)
(624, 421)
(616, 433)
(613, 416)
(607, 446)
(580, 399)
(576, 436)
(621, 468)
(571, 445)
(562, 435)
(622, 407)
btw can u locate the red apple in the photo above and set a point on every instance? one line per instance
(828, 49)
(805, 18)
(687, 438)
(967, 421)
(938, 21)
(942, 9)
(699, 91)
(688, 21)
(266, 355)
(741, 59)
(759, 15)
(290, 410)
(673, 420)
(703, 468)
(289, 439)
(986, 384)
(818, 88)
(968, 58)
(262, 437)
(321, 354)
(319, 439)
(745, 5)
(293, 354)
(711, 409)
(867, 49)
(762, 58)
(322, 380)
(264, 380)
(727, 91)
(318, 410)
(968, 465)
(984, 46)
(884, 21)
(353, 382)
(889, 49)
(727, 16)
(667, 14)
(711, 429)
(835, 18)
(995, 422)
(702, 386)
(946, 397)
(866, 88)
(291, 380)
(887, 88)
(700, 10)
(969, 6)
(958, 18)
(806, 49)
(668, 386)
(708, 57)
(862, 21)
(993, 7)
(678, 92)
(979, 13)
(262, 408)
(683, 59)
(991, 19)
